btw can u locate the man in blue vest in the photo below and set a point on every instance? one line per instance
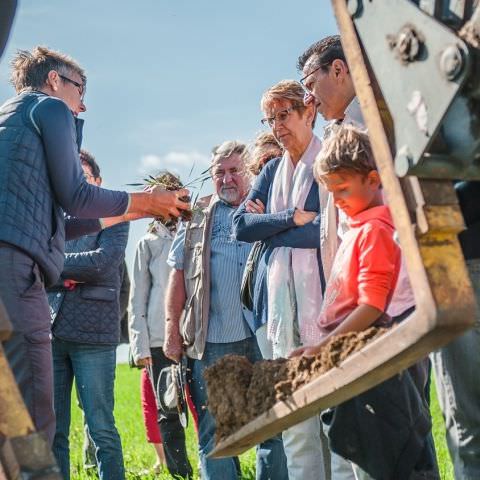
(40, 180)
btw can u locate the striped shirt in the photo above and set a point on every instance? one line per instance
(228, 319)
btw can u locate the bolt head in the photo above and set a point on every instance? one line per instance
(403, 161)
(353, 7)
(451, 62)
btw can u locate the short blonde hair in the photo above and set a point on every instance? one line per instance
(30, 69)
(346, 150)
(289, 90)
(263, 149)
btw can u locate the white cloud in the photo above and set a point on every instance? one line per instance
(178, 162)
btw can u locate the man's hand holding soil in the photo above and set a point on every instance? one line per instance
(154, 202)
(158, 202)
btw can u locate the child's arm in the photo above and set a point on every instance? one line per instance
(360, 319)
(378, 263)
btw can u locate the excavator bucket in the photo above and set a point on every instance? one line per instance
(417, 166)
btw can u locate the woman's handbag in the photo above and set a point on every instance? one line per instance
(170, 391)
(248, 278)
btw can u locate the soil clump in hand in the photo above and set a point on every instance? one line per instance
(239, 391)
(170, 182)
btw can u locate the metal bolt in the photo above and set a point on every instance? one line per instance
(451, 62)
(403, 161)
(407, 44)
(353, 7)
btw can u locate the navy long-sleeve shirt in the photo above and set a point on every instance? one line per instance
(275, 230)
(77, 198)
(77, 227)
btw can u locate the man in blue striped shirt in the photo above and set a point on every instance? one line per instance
(204, 285)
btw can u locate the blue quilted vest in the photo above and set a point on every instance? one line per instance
(90, 313)
(30, 217)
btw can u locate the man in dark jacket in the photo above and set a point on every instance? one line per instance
(86, 331)
(40, 179)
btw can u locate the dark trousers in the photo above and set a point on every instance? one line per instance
(173, 434)
(420, 373)
(29, 350)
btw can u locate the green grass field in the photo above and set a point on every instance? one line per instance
(139, 455)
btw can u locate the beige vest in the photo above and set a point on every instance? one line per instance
(194, 321)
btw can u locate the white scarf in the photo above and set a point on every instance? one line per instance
(293, 278)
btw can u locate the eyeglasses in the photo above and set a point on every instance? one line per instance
(81, 86)
(304, 79)
(88, 176)
(279, 117)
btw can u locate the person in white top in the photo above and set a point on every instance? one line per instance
(147, 332)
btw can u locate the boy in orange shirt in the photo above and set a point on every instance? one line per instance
(358, 291)
(366, 266)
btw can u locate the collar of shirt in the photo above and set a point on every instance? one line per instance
(353, 116)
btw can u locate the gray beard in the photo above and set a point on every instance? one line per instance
(229, 195)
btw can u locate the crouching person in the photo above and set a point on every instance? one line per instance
(358, 292)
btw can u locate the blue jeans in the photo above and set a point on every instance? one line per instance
(271, 463)
(457, 367)
(93, 367)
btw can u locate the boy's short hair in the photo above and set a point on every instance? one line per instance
(30, 69)
(88, 159)
(346, 150)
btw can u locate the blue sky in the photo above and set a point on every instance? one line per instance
(169, 79)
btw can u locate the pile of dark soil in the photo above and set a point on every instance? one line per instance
(260, 394)
(301, 370)
(239, 391)
(227, 385)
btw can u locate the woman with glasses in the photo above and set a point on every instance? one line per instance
(282, 210)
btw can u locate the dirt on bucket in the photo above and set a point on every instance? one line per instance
(239, 391)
